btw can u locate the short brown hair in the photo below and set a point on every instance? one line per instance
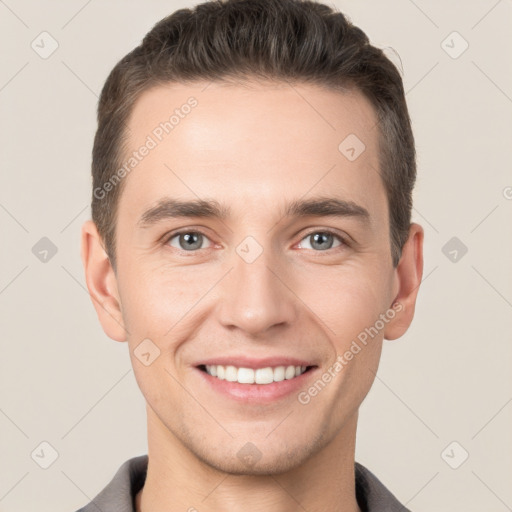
(288, 40)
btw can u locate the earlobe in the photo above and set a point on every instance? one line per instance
(102, 283)
(409, 273)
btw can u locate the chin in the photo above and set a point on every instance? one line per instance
(260, 457)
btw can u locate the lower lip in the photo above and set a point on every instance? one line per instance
(260, 393)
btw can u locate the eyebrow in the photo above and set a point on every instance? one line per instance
(169, 208)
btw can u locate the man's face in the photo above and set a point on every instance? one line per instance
(256, 288)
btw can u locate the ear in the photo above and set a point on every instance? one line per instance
(408, 274)
(102, 283)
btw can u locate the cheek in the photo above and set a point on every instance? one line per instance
(156, 311)
(351, 308)
(154, 300)
(346, 300)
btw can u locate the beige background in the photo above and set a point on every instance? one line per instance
(448, 379)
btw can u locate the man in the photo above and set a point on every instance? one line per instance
(251, 241)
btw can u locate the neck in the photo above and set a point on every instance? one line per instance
(179, 481)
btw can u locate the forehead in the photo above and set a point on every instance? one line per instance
(257, 139)
(268, 107)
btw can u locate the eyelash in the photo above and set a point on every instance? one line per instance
(167, 238)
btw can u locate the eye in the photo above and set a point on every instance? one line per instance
(187, 240)
(322, 240)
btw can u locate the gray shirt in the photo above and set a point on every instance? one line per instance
(119, 494)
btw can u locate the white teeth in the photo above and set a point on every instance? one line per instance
(265, 375)
(231, 374)
(290, 372)
(279, 374)
(245, 376)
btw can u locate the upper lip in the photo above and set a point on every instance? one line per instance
(248, 362)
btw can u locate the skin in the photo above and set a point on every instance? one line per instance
(253, 147)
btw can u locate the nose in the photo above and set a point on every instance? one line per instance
(256, 296)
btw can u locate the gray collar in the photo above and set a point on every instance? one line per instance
(119, 494)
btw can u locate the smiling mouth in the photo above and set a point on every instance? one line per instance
(266, 375)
